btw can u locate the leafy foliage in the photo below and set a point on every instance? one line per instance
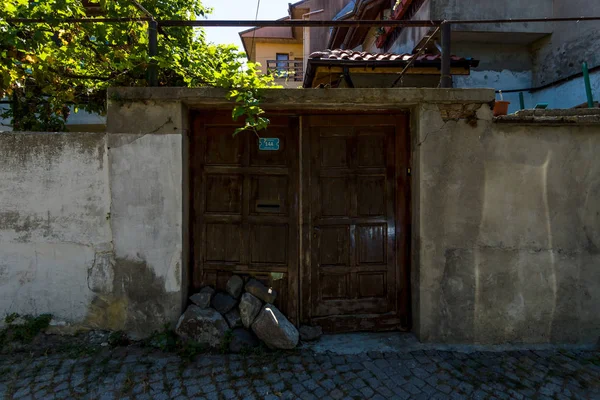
(168, 341)
(25, 331)
(47, 69)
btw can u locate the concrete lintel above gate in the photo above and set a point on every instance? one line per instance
(145, 116)
(286, 99)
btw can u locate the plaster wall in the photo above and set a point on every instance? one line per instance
(499, 80)
(268, 51)
(506, 230)
(567, 95)
(91, 224)
(489, 9)
(506, 235)
(55, 234)
(561, 54)
(147, 151)
(502, 67)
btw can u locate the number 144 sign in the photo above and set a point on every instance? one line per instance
(268, 144)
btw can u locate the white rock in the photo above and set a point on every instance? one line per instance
(273, 328)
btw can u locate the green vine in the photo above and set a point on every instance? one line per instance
(48, 70)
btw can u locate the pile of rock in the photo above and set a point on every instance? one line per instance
(245, 309)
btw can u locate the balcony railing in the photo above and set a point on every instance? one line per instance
(291, 70)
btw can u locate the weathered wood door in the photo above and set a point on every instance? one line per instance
(355, 219)
(244, 206)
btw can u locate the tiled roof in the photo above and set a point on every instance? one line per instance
(349, 55)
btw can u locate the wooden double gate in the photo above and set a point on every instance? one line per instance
(323, 219)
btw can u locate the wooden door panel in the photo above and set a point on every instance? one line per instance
(224, 193)
(371, 244)
(356, 260)
(371, 149)
(245, 206)
(335, 196)
(223, 242)
(268, 244)
(222, 149)
(371, 196)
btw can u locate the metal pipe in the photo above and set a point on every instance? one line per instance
(152, 52)
(522, 100)
(75, 20)
(588, 85)
(446, 79)
(522, 20)
(300, 23)
(312, 13)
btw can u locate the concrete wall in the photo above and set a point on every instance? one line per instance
(507, 230)
(491, 9)
(91, 225)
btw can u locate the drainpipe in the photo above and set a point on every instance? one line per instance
(306, 40)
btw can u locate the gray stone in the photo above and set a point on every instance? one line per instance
(235, 286)
(257, 289)
(308, 333)
(249, 308)
(223, 303)
(204, 297)
(205, 326)
(273, 328)
(234, 319)
(242, 339)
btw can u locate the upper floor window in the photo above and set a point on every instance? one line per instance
(282, 64)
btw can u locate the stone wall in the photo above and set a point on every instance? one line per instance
(507, 229)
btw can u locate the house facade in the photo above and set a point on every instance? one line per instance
(284, 51)
(543, 61)
(278, 50)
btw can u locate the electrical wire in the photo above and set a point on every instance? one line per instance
(254, 32)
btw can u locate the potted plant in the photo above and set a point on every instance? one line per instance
(501, 106)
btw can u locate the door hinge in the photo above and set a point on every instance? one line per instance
(408, 172)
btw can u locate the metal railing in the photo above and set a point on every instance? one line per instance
(291, 70)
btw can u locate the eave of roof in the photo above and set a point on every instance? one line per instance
(247, 34)
(355, 59)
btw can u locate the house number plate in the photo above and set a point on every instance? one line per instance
(268, 144)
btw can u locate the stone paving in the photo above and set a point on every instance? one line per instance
(137, 373)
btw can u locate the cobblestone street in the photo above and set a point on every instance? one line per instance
(136, 373)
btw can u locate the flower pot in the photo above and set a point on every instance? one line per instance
(501, 108)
